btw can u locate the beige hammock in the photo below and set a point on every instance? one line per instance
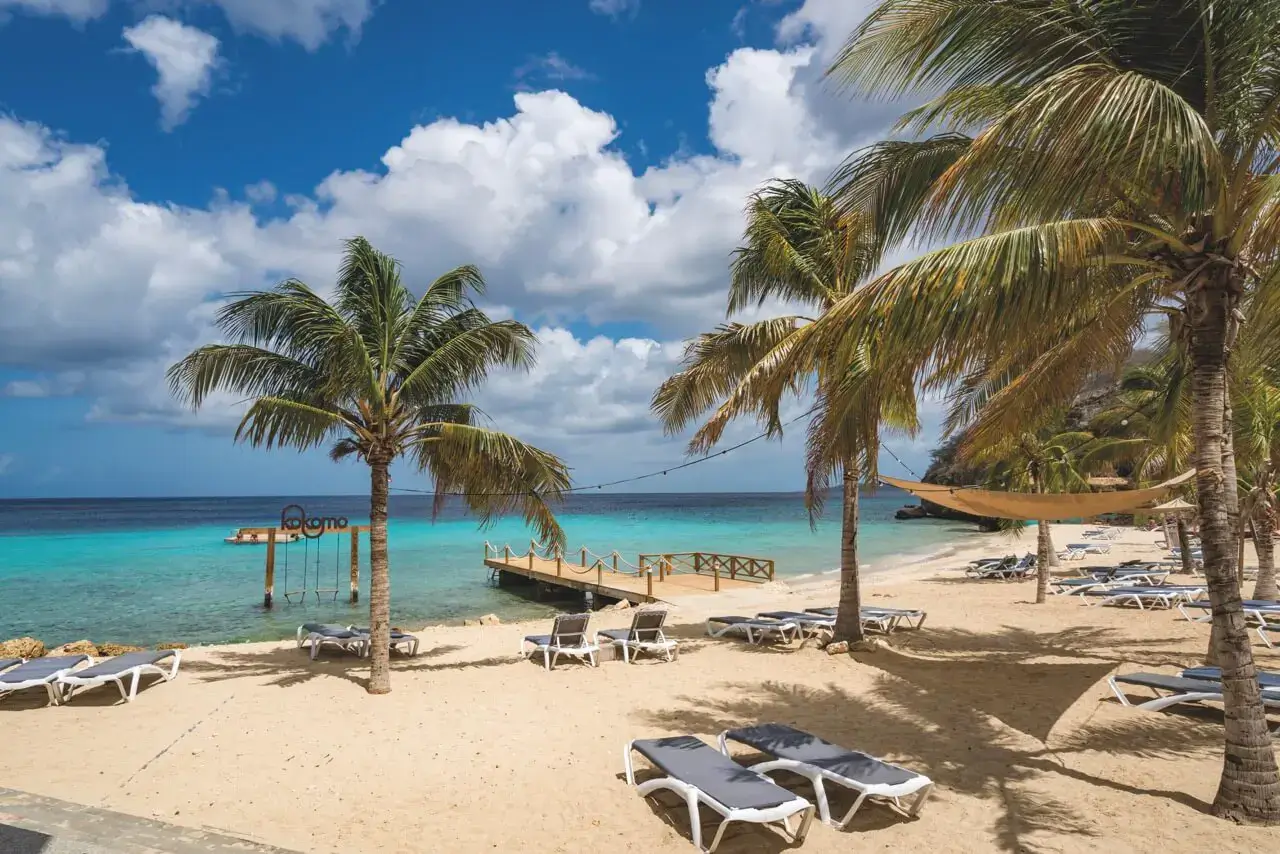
(1049, 506)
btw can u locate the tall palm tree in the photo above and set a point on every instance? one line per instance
(377, 374)
(800, 249)
(1258, 429)
(1093, 163)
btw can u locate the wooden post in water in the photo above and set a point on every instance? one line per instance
(355, 564)
(269, 586)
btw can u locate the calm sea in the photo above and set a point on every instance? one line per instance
(150, 570)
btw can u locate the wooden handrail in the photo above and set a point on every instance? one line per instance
(711, 563)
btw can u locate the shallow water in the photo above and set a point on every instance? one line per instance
(149, 570)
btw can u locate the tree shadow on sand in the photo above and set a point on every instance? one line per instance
(979, 721)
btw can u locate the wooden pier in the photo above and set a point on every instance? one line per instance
(655, 577)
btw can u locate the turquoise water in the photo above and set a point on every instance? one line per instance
(146, 570)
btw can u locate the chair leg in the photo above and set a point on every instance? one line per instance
(695, 823)
(546, 659)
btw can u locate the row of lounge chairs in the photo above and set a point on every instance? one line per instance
(1008, 568)
(571, 636)
(706, 777)
(59, 677)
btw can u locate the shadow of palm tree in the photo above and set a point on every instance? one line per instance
(288, 666)
(979, 719)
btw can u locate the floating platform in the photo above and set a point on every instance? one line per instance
(657, 577)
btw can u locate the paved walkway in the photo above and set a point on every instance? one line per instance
(31, 824)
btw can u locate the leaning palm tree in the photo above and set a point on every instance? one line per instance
(378, 375)
(1093, 163)
(799, 249)
(1258, 429)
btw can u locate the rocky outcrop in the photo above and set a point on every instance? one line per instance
(172, 645)
(490, 620)
(117, 649)
(22, 648)
(80, 647)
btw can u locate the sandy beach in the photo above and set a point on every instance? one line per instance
(1003, 703)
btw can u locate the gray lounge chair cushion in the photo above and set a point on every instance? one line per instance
(41, 668)
(615, 634)
(329, 631)
(395, 635)
(539, 640)
(1176, 684)
(697, 763)
(6, 663)
(1248, 604)
(121, 663)
(796, 745)
(742, 621)
(795, 615)
(1214, 674)
(826, 612)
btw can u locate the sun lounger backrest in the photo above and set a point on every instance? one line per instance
(787, 742)
(570, 629)
(698, 764)
(40, 668)
(646, 626)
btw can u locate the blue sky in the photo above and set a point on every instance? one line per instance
(591, 155)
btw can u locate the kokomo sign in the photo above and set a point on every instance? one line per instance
(294, 518)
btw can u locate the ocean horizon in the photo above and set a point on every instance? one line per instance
(151, 570)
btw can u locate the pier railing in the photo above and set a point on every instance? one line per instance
(734, 567)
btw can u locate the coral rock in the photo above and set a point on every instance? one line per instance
(21, 648)
(837, 647)
(117, 648)
(470, 623)
(80, 647)
(490, 620)
(173, 645)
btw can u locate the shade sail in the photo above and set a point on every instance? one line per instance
(1023, 505)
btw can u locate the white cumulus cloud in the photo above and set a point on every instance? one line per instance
(77, 10)
(184, 59)
(614, 8)
(100, 292)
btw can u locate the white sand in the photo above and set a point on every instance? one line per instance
(1002, 702)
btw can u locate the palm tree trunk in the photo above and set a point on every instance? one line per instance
(1264, 526)
(379, 581)
(848, 625)
(1184, 547)
(1044, 547)
(1053, 551)
(1249, 789)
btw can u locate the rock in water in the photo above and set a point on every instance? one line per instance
(80, 647)
(117, 649)
(490, 620)
(21, 648)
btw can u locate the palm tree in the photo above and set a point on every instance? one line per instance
(377, 374)
(1046, 461)
(1095, 162)
(800, 249)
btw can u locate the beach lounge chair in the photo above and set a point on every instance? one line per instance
(1005, 571)
(131, 666)
(40, 673)
(644, 635)
(568, 637)
(402, 641)
(1164, 596)
(895, 617)
(703, 776)
(322, 634)
(1175, 690)
(821, 762)
(1072, 554)
(1264, 632)
(1258, 611)
(755, 629)
(1094, 548)
(1266, 678)
(1077, 586)
(810, 624)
